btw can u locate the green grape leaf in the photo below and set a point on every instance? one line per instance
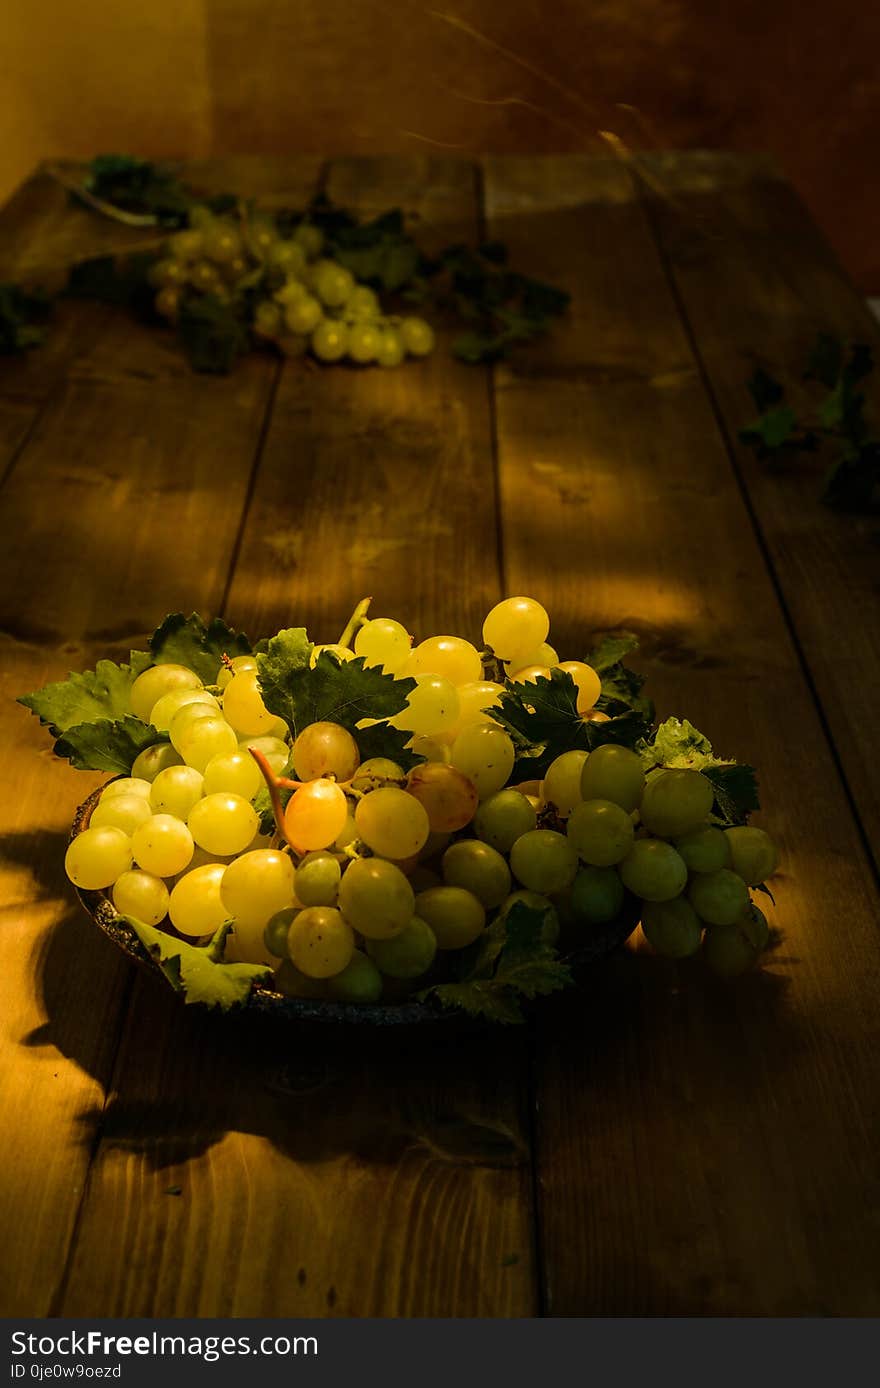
(382, 740)
(189, 641)
(344, 692)
(107, 745)
(137, 185)
(771, 430)
(677, 743)
(621, 686)
(379, 253)
(198, 971)
(736, 791)
(100, 694)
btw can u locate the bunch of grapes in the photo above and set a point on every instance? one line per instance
(297, 297)
(376, 875)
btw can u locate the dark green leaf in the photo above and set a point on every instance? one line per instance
(199, 646)
(736, 791)
(100, 694)
(543, 720)
(343, 692)
(213, 331)
(107, 745)
(381, 740)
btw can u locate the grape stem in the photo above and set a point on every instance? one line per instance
(273, 785)
(355, 622)
(107, 209)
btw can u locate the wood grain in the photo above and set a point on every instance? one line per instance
(701, 1150)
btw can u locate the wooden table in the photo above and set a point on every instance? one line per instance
(655, 1145)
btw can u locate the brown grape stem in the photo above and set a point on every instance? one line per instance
(355, 622)
(273, 785)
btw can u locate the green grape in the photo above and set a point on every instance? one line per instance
(286, 256)
(204, 276)
(185, 245)
(141, 895)
(729, 951)
(375, 898)
(375, 772)
(363, 343)
(363, 302)
(168, 704)
(317, 880)
(753, 924)
(675, 802)
(149, 687)
(392, 822)
(479, 869)
(261, 235)
(236, 773)
(562, 782)
(236, 666)
(274, 749)
(303, 315)
(96, 857)
(124, 812)
(515, 626)
(449, 798)
(587, 683)
(544, 861)
(719, 898)
(320, 942)
(167, 302)
(332, 283)
(601, 832)
(205, 738)
(330, 340)
(613, 773)
(310, 239)
(535, 902)
(672, 928)
(222, 242)
(267, 318)
(596, 895)
(455, 915)
(418, 336)
(126, 785)
(430, 708)
(347, 834)
(277, 929)
(391, 350)
(163, 846)
(753, 854)
(456, 660)
(653, 870)
(485, 754)
(315, 815)
(169, 273)
(503, 817)
(409, 954)
(325, 749)
(184, 717)
(148, 763)
(360, 981)
(255, 886)
(223, 824)
(176, 790)
(295, 984)
(243, 705)
(196, 906)
(384, 642)
(705, 849)
(475, 698)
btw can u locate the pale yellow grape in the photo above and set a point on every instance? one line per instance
(430, 708)
(287, 256)
(457, 660)
(141, 895)
(329, 341)
(320, 942)
(123, 812)
(342, 653)
(163, 846)
(317, 879)
(152, 760)
(375, 772)
(384, 642)
(360, 981)
(150, 686)
(562, 782)
(363, 303)
(544, 861)
(185, 245)
(96, 857)
(325, 749)
(409, 954)
(274, 749)
(184, 717)
(237, 665)
(391, 350)
(541, 655)
(449, 798)
(243, 705)
(363, 343)
(478, 868)
(256, 886)
(196, 906)
(753, 853)
(176, 790)
(375, 898)
(223, 824)
(222, 241)
(485, 754)
(165, 708)
(206, 738)
(391, 822)
(615, 774)
(303, 315)
(455, 915)
(418, 336)
(333, 284)
(234, 772)
(474, 700)
(587, 683)
(315, 815)
(530, 674)
(127, 785)
(515, 626)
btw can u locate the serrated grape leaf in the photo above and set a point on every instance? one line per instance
(107, 745)
(677, 743)
(100, 694)
(621, 686)
(381, 740)
(199, 971)
(199, 646)
(736, 791)
(480, 999)
(344, 692)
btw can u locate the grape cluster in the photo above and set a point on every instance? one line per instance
(376, 873)
(297, 297)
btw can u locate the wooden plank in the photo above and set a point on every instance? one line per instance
(354, 1177)
(701, 1149)
(757, 283)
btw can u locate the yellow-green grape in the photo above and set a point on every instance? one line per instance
(206, 738)
(303, 315)
(455, 915)
(449, 798)
(185, 245)
(236, 773)
(530, 674)
(653, 870)
(315, 815)
(430, 708)
(325, 749)
(96, 857)
(363, 343)
(286, 256)
(142, 896)
(601, 832)
(167, 273)
(277, 929)
(185, 717)
(330, 340)
(167, 705)
(243, 705)
(317, 879)
(562, 782)
(127, 785)
(375, 772)
(672, 928)
(256, 886)
(360, 981)
(294, 984)
(596, 895)
(162, 846)
(485, 754)
(149, 687)
(267, 318)
(384, 642)
(310, 239)
(363, 302)
(456, 660)
(753, 853)
(587, 683)
(613, 773)
(514, 627)
(223, 824)
(375, 898)
(392, 822)
(320, 942)
(222, 242)
(475, 699)
(347, 834)
(676, 801)
(123, 812)
(204, 276)
(167, 301)
(276, 752)
(418, 336)
(719, 898)
(503, 817)
(261, 234)
(342, 653)
(544, 655)
(544, 861)
(479, 869)
(236, 666)
(196, 906)
(728, 950)
(332, 283)
(291, 292)
(148, 763)
(705, 849)
(391, 350)
(535, 902)
(409, 954)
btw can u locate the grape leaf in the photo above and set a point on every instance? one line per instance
(137, 185)
(188, 641)
(736, 791)
(342, 692)
(213, 332)
(107, 745)
(379, 253)
(381, 740)
(677, 743)
(621, 686)
(198, 971)
(100, 694)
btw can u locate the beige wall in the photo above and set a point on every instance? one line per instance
(192, 77)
